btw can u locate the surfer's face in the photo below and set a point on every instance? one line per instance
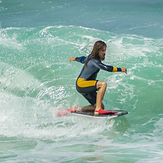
(102, 53)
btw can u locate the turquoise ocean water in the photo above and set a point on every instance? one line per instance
(37, 37)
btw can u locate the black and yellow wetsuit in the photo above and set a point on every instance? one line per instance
(86, 81)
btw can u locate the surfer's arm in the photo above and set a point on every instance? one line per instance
(81, 59)
(113, 68)
(102, 66)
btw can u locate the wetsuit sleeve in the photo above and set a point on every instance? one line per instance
(81, 59)
(102, 66)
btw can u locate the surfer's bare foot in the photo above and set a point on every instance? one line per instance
(96, 112)
(75, 108)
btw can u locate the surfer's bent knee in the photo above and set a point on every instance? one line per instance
(101, 84)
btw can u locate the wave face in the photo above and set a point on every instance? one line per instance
(36, 80)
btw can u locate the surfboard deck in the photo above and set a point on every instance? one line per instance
(91, 114)
(114, 113)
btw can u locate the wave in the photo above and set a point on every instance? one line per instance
(36, 79)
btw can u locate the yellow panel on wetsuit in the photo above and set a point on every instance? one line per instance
(84, 83)
(114, 69)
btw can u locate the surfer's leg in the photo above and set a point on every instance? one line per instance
(102, 106)
(89, 108)
(88, 89)
(101, 86)
(91, 98)
(83, 109)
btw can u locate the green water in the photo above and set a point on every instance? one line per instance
(36, 80)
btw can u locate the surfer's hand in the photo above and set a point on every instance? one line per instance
(71, 59)
(123, 69)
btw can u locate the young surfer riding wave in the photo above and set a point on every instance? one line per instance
(86, 84)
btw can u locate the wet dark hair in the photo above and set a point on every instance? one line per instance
(95, 52)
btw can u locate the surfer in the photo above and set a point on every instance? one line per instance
(86, 84)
